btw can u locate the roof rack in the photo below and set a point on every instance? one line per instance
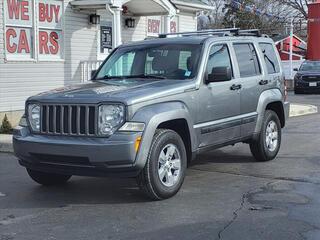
(217, 32)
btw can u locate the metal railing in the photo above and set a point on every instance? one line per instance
(87, 67)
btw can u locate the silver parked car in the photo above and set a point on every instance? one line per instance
(153, 106)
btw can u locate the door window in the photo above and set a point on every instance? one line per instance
(247, 59)
(270, 58)
(219, 57)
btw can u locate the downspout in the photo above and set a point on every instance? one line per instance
(116, 25)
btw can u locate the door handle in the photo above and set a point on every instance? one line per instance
(235, 87)
(263, 82)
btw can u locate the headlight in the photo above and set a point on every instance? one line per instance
(34, 117)
(110, 118)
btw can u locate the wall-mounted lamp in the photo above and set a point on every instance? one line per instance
(130, 22)
(94, 19)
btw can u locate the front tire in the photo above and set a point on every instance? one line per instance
(48, 179)
(165, 169)
(267, 145)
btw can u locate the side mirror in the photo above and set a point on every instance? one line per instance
(220, 74)
(93, 73)
(296, 69)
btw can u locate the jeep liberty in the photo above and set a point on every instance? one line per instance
(153, 106)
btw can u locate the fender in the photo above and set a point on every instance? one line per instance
(266, 97)
(153, 116)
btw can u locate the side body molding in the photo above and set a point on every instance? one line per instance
(153, 116)
(266, 97)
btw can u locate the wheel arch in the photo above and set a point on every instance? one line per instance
(271, 99)
(170, 115)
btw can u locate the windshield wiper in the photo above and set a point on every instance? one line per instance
(146, 76)
(107, 77)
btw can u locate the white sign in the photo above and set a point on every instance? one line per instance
(18, 31)
(50, 13)
(50, 44)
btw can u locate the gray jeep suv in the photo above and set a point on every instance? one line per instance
(153, 106)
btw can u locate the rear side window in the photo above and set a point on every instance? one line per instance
(247, 59)
(270, 58)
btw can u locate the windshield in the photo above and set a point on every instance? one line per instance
(310, 66)
(169, 61)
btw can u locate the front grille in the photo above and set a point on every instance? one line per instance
(68, 119)
(311, 78)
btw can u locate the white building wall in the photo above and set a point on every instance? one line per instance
(187, 22)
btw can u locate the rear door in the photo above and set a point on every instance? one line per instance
(219, 103)
(250, 75)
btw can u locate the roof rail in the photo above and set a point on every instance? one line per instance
(217, 32)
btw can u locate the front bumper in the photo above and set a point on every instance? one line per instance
(82, 156)
(303, 86)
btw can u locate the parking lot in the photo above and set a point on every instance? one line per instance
(226, 195)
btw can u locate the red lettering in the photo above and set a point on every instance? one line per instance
(54, 41)
(48, 12)
(13, 9)
(11, 48)
(43, 42)
(24, 10)
(23, 42)
(56, 9)
(49, 16)
(42, 14)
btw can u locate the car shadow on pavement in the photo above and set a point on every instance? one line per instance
(78, 191)
(224, 156)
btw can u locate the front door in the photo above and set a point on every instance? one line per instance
(219, 103)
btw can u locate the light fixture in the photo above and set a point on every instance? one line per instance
(94, 19)
(130, 22)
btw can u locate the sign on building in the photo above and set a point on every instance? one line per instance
(155, 25)
(24, 31)
(106, 38)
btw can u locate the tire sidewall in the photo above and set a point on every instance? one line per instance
(165, 138)
(270, 116)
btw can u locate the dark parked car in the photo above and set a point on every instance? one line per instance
(307, 78)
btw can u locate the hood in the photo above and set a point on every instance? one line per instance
(127, 91)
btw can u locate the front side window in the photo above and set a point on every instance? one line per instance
(247, 59)
(219, 57)
(170, 61)
(270, 57)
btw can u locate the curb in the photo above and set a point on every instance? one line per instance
(6, 143)
(297, 110)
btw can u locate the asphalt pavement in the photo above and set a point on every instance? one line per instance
(226, 195)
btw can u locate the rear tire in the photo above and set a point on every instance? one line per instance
(48, 179)
(165, 169)
(267, 145)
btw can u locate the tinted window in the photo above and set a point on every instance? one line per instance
(270, 58)
(247, 59)
(219, 57)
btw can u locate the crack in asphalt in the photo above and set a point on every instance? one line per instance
(299, 180)
(235, 215)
